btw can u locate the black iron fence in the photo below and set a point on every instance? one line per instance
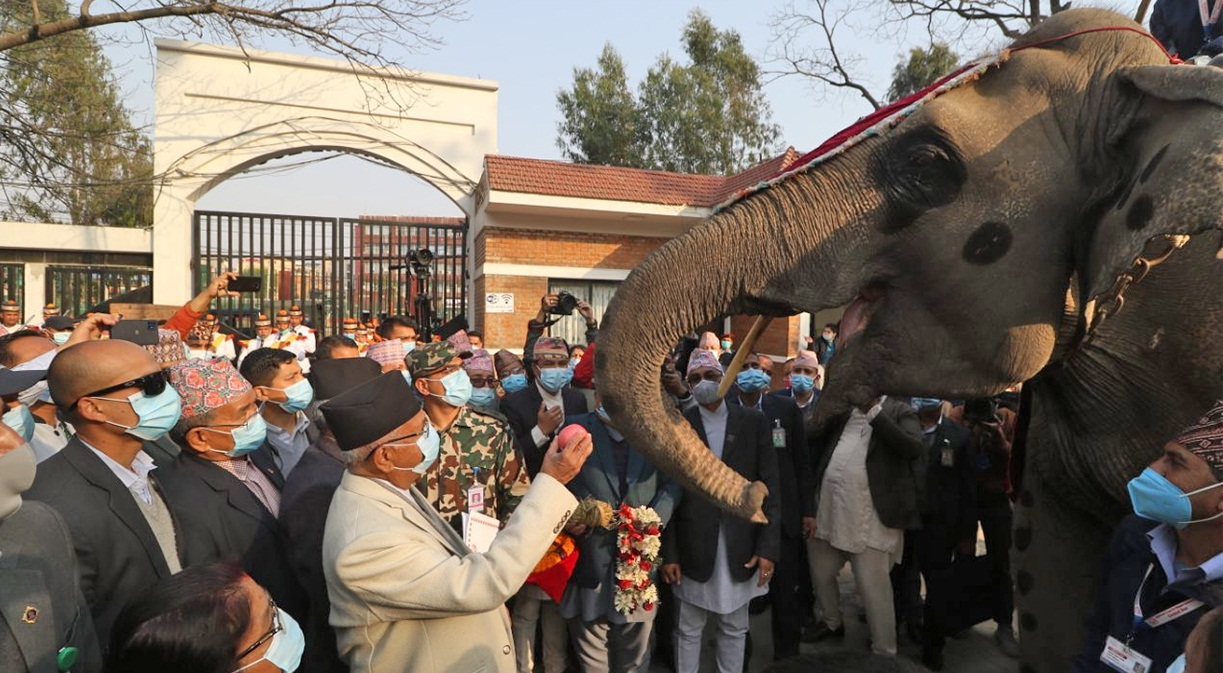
(76, 289)
(12, 282)
(332, 268)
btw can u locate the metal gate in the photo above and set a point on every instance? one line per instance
(78, 288)
(333, 268)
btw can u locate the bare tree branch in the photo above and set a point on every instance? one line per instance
(822, 62)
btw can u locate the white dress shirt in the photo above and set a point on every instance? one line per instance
(135, 480)
(550, 400)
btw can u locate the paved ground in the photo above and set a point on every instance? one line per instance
(974, 653)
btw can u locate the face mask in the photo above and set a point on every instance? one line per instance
(555, 378)
(408, 347)
(752, 380)
(155, 415)
(430, 444)
(514, 383)
(801, 383)
(706, 392)
(828, 336)
(1177, 665)
(32, 394)
(17, 469)
(484, 397)
(21, 421)
(247, 437)
(300, 395)
(287, 646)
(458, 388)
(61, 338)
(1157, 499)
(726, 345)
(574, 362)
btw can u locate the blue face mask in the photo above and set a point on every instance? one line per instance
(458, 388)
(288, 645)
(300, 395)
(408, 347)
(20, 420)
(752, 380)
(247, 437)
(801, 383)
(726, 345)
(1157, 499)
(61, 338)
(430, 445)
(484, 397)
(555, 378)
(156, 415)
(514, 383)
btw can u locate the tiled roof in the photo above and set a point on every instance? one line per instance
(614, 183)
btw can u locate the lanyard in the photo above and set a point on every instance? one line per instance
(1176, 611)
(1209, 18)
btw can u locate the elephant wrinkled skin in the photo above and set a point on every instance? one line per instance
(966, 242)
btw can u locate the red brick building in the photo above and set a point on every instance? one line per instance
(542, 226)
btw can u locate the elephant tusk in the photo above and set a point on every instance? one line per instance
(736, 363)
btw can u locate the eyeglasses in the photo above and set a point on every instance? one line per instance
(756, 365)
(276, 628)
(151, 385)
(551, 363)
(399, 441)
(482, 382)
(711, 375)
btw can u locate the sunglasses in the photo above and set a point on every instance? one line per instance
(276, 628)
(151, 385)
(482, 382)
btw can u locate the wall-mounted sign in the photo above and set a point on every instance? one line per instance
(499, 302)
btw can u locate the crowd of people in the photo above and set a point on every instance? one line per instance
(298, 503)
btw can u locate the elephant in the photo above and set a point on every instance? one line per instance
(1055, 222)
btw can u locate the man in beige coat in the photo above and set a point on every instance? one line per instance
(406, 593)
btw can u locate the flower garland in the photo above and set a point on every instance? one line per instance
(637, 547)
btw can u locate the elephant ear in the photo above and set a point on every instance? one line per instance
(1172, 140)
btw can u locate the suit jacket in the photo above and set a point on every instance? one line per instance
(118, 554)
(600, 480)
(407, 595)
(793, 460)
(223, 521)
(692, 538)
(895, 445)
(947, 494)
(521, 409)
(304, 504)
(42, 608)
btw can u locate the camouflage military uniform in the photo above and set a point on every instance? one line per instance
(477, 449)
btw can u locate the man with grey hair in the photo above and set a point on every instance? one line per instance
(407, 593)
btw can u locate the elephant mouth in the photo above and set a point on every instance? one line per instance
(858, 314)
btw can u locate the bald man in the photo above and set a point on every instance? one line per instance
(115, 395)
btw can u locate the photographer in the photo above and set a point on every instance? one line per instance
(558, 305)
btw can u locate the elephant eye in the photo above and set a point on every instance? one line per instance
(919, 171)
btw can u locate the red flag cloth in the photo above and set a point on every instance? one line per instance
(553, 571)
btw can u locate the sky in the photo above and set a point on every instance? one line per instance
(530, 47)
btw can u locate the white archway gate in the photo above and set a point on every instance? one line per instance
(221, 110)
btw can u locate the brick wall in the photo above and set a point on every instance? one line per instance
(558, 248)
(508, 330)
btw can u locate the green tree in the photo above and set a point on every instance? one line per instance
(599, 122)
(707, 116)
(70, 150)
(922, 69)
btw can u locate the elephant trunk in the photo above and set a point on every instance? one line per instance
(745, 259)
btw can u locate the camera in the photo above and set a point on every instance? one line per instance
(565, 304)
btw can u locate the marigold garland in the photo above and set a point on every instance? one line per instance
(638, 542)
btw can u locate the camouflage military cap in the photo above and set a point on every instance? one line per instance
(431, 357)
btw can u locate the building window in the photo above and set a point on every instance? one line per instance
(595, 292)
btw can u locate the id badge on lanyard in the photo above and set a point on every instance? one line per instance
(1117, 654)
